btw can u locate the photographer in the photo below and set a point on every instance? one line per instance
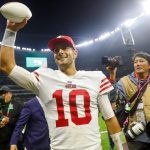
(9, 113)
(133, 93)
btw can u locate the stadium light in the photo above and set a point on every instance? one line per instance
(86, 43)
(45, 50)
(104, 36)
(146, 6)
(17, 47)
(129, 22)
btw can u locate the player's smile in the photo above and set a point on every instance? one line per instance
(61, 58)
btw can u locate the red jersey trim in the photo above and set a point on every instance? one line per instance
(103, 89)
(36, 76)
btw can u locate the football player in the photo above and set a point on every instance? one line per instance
(72, 98)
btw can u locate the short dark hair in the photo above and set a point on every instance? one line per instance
(142, 55)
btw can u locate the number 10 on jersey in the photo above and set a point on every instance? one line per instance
(62, 121)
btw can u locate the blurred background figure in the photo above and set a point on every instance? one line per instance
(9, 113)
(36, 135)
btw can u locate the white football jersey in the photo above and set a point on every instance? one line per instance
(71, 104)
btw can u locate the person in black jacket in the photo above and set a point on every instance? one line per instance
(32, 118)
(9, 112)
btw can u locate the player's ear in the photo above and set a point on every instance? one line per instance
(75, 53)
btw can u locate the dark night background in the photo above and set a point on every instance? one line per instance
(83, 20)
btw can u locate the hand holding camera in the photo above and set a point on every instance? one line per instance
(111, 64)
(112, 72)
(136, 129)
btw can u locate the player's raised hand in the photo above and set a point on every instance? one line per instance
(16, 26)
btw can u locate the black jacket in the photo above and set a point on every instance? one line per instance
(7, 130)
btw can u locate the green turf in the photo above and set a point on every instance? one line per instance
(105, 142)
(104, 135)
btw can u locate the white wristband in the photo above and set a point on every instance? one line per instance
(119, 139)
(9, 38)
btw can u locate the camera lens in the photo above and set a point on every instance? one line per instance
(136, 130)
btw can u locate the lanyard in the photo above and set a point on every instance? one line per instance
(141, 87)
(10, 106)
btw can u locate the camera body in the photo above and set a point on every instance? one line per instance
(136, 129)
(112, 61)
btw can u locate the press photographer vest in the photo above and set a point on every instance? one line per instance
(130, 88)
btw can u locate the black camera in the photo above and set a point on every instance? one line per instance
(112, 61)
(135, 130)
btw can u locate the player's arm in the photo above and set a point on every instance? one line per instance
(112, 123)
(7, 58)
(19, 75)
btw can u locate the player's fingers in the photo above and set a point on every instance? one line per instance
(16, 26)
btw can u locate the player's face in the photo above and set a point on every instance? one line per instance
(64, 55)
(141, 65)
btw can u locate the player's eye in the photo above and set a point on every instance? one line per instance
(56, 50)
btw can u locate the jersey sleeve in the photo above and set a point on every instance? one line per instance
(25, 79)
(105, 106)
(105, 85)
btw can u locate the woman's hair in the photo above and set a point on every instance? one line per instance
(142, 55)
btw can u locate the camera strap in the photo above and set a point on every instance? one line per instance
(137, 96)
(130, 111)
(10, 106)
